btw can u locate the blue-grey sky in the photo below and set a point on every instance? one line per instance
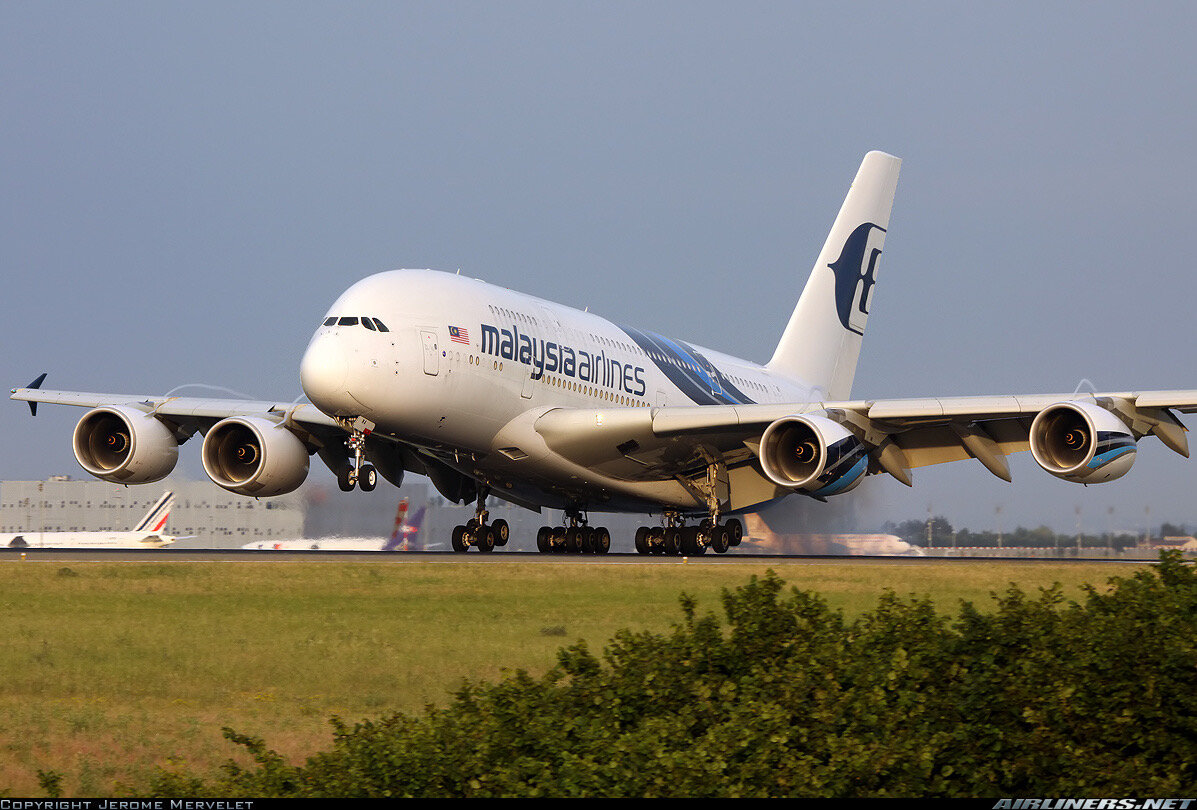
(185, 188)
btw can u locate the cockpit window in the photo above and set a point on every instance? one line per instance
(373, 324)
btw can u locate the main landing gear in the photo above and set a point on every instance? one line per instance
(475, 532)
(576, 538)
(675, 539)
(361, 473)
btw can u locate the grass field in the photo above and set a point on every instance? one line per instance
(112, 668)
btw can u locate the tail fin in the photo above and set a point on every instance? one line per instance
(821, 343)
(406, 531)
(155, 519)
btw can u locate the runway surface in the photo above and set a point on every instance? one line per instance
(531, 558)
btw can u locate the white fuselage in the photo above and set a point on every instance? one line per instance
(85, 540)
(462, 363)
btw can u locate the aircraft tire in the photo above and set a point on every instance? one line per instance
(601, 543)
(484, 539)
(459, 542)
(346, 480)
(573, 540)
(642, 540)
(720, 539)
(544, 540)
(735, 532)
(502, 532)
(673, 542)
(368, 479)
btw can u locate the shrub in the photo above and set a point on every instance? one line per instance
(785, 698)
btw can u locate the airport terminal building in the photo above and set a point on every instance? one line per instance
(201, 511)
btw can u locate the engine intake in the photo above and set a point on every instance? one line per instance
(125, 445)
(1082, 442)
(813, 454)
(253, 456)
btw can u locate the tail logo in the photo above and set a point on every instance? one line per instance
(855, 274)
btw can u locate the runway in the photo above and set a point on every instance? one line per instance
(522, 557)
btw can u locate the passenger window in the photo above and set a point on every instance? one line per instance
(330, 321)
(347, 322)
(379, 324)
(366, 323)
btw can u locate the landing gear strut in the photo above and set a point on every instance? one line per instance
(475, 532)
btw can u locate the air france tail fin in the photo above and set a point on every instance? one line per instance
(821, 343)
(155, 520)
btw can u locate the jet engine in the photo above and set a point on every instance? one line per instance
(253, 456)
(125, 445)
(1082, 443)
(813, 454)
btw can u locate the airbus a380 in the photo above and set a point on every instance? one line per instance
(488, 391)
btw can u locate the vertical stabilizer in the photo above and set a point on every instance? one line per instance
(155, 519)
(821, 343)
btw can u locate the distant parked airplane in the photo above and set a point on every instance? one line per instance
(146, 534)
(403, 538)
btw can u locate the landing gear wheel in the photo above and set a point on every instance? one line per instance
(367, 478)
(601, 542)
(544, 540)
(573, 540)
(459, 541)
(719, 539)
(673, 541)
(642, 540)
(484, 539)
(735, 532)
(347, 479)
(501, 531)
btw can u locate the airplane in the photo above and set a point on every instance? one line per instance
(491, 392)
(148, 533)
(403, 538)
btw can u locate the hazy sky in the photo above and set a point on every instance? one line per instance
(186, 187)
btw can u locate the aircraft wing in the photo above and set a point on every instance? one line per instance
(897, 435)
(189, 414)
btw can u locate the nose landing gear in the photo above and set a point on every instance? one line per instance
(359, 472)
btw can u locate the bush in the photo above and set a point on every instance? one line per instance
(788, 699)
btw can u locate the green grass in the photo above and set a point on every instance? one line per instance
(112, 668)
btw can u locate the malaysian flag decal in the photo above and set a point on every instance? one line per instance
(459, 335)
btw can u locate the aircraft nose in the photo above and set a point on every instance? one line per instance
(322, 373)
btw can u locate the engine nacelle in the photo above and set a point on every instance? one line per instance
(813, 454)
(1082, 443)
(125, 445)
(253, 456)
